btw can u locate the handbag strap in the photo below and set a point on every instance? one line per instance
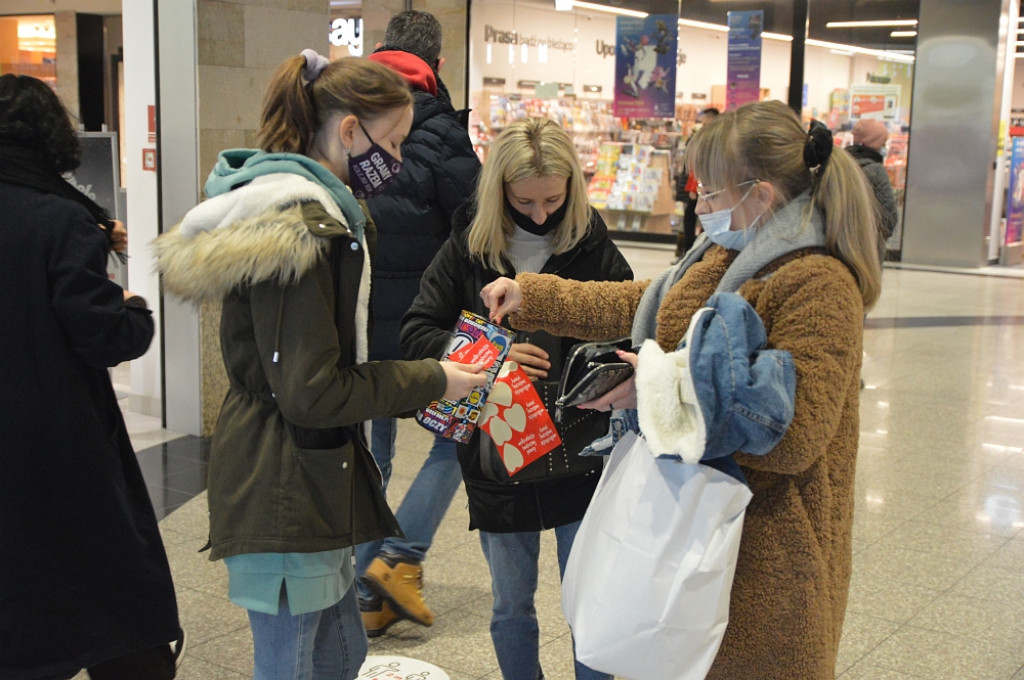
(786, 258)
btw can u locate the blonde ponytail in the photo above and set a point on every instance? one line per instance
(851, 232)
(766, 141)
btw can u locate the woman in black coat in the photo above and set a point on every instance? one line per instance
(84, 580)
(530, 215)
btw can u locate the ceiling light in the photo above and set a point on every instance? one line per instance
(881, 54)
(1004, 419)
(893, 55)
(563, 5)
(36, 34)
(612, 10)
(903, 34)
(863, 24)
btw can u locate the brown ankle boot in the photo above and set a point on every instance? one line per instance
(400, 581)
(378, 616)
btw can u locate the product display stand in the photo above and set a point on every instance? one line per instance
(589, 121)
(632, 188)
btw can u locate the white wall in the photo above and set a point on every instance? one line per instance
(142, 219)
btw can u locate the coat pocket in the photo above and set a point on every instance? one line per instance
(322, 497)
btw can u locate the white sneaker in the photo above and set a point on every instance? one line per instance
(178, 650)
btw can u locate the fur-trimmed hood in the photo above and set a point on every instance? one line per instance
(250, 234)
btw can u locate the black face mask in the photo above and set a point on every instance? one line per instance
(526, 223)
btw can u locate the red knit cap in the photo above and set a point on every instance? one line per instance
(871, 133)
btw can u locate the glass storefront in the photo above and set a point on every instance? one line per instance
(629, 85)
(28, 46)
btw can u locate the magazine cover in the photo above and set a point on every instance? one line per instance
(474, 340)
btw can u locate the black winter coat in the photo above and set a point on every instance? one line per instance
(871, 162)
(414, 216)
(83, 573)
(452, 283)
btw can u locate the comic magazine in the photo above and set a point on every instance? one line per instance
(474, 339)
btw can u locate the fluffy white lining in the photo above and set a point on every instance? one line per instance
(255, 199)
(667, 407)
(362, 323)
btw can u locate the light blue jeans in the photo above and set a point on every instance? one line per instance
(424, 504)
(512, 559)
(326, 645)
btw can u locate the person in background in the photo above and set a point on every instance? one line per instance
(530, 214)
(284, 246)
(789, 227)
(686, 191)
(84, 580)
(869, 138)
(413, 219)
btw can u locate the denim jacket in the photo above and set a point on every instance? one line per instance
(720, 391)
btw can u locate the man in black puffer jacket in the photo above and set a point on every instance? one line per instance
(869, 137)
(413, 220)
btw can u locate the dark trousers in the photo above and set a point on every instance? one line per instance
(149, 664)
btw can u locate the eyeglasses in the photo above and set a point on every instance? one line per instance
(708, 195)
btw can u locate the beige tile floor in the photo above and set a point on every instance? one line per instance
(938, 582)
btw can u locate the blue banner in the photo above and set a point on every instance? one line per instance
(743, 72)
(645, 66)
(1015, 193)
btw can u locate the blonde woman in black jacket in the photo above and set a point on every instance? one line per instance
(530, 215)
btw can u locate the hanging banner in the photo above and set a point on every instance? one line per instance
(1015, 194)
(645, 66)
(743, 72)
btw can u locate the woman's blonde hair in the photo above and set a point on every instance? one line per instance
(295, 111)
(765, 141)
(527, 148)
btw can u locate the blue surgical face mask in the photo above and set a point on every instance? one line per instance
(716, 224)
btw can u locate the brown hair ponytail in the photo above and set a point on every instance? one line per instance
(295, 110)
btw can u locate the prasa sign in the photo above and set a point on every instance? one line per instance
(348, 32)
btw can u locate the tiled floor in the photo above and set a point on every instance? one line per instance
(938, 583)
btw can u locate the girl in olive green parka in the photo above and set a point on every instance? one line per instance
(284, 245)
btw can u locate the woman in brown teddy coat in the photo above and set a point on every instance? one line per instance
(789, 226)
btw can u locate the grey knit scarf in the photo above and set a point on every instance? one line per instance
(785, 231)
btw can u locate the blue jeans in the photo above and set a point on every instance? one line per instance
(326, 645)
(512, 559)
(424, 504)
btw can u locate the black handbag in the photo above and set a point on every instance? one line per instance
(577, 430)
(591, 370)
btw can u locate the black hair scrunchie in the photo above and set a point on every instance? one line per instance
(818, 146)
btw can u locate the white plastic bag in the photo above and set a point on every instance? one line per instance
(646, 589)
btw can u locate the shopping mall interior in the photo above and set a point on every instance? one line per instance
(938, 565)
(938, 578)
